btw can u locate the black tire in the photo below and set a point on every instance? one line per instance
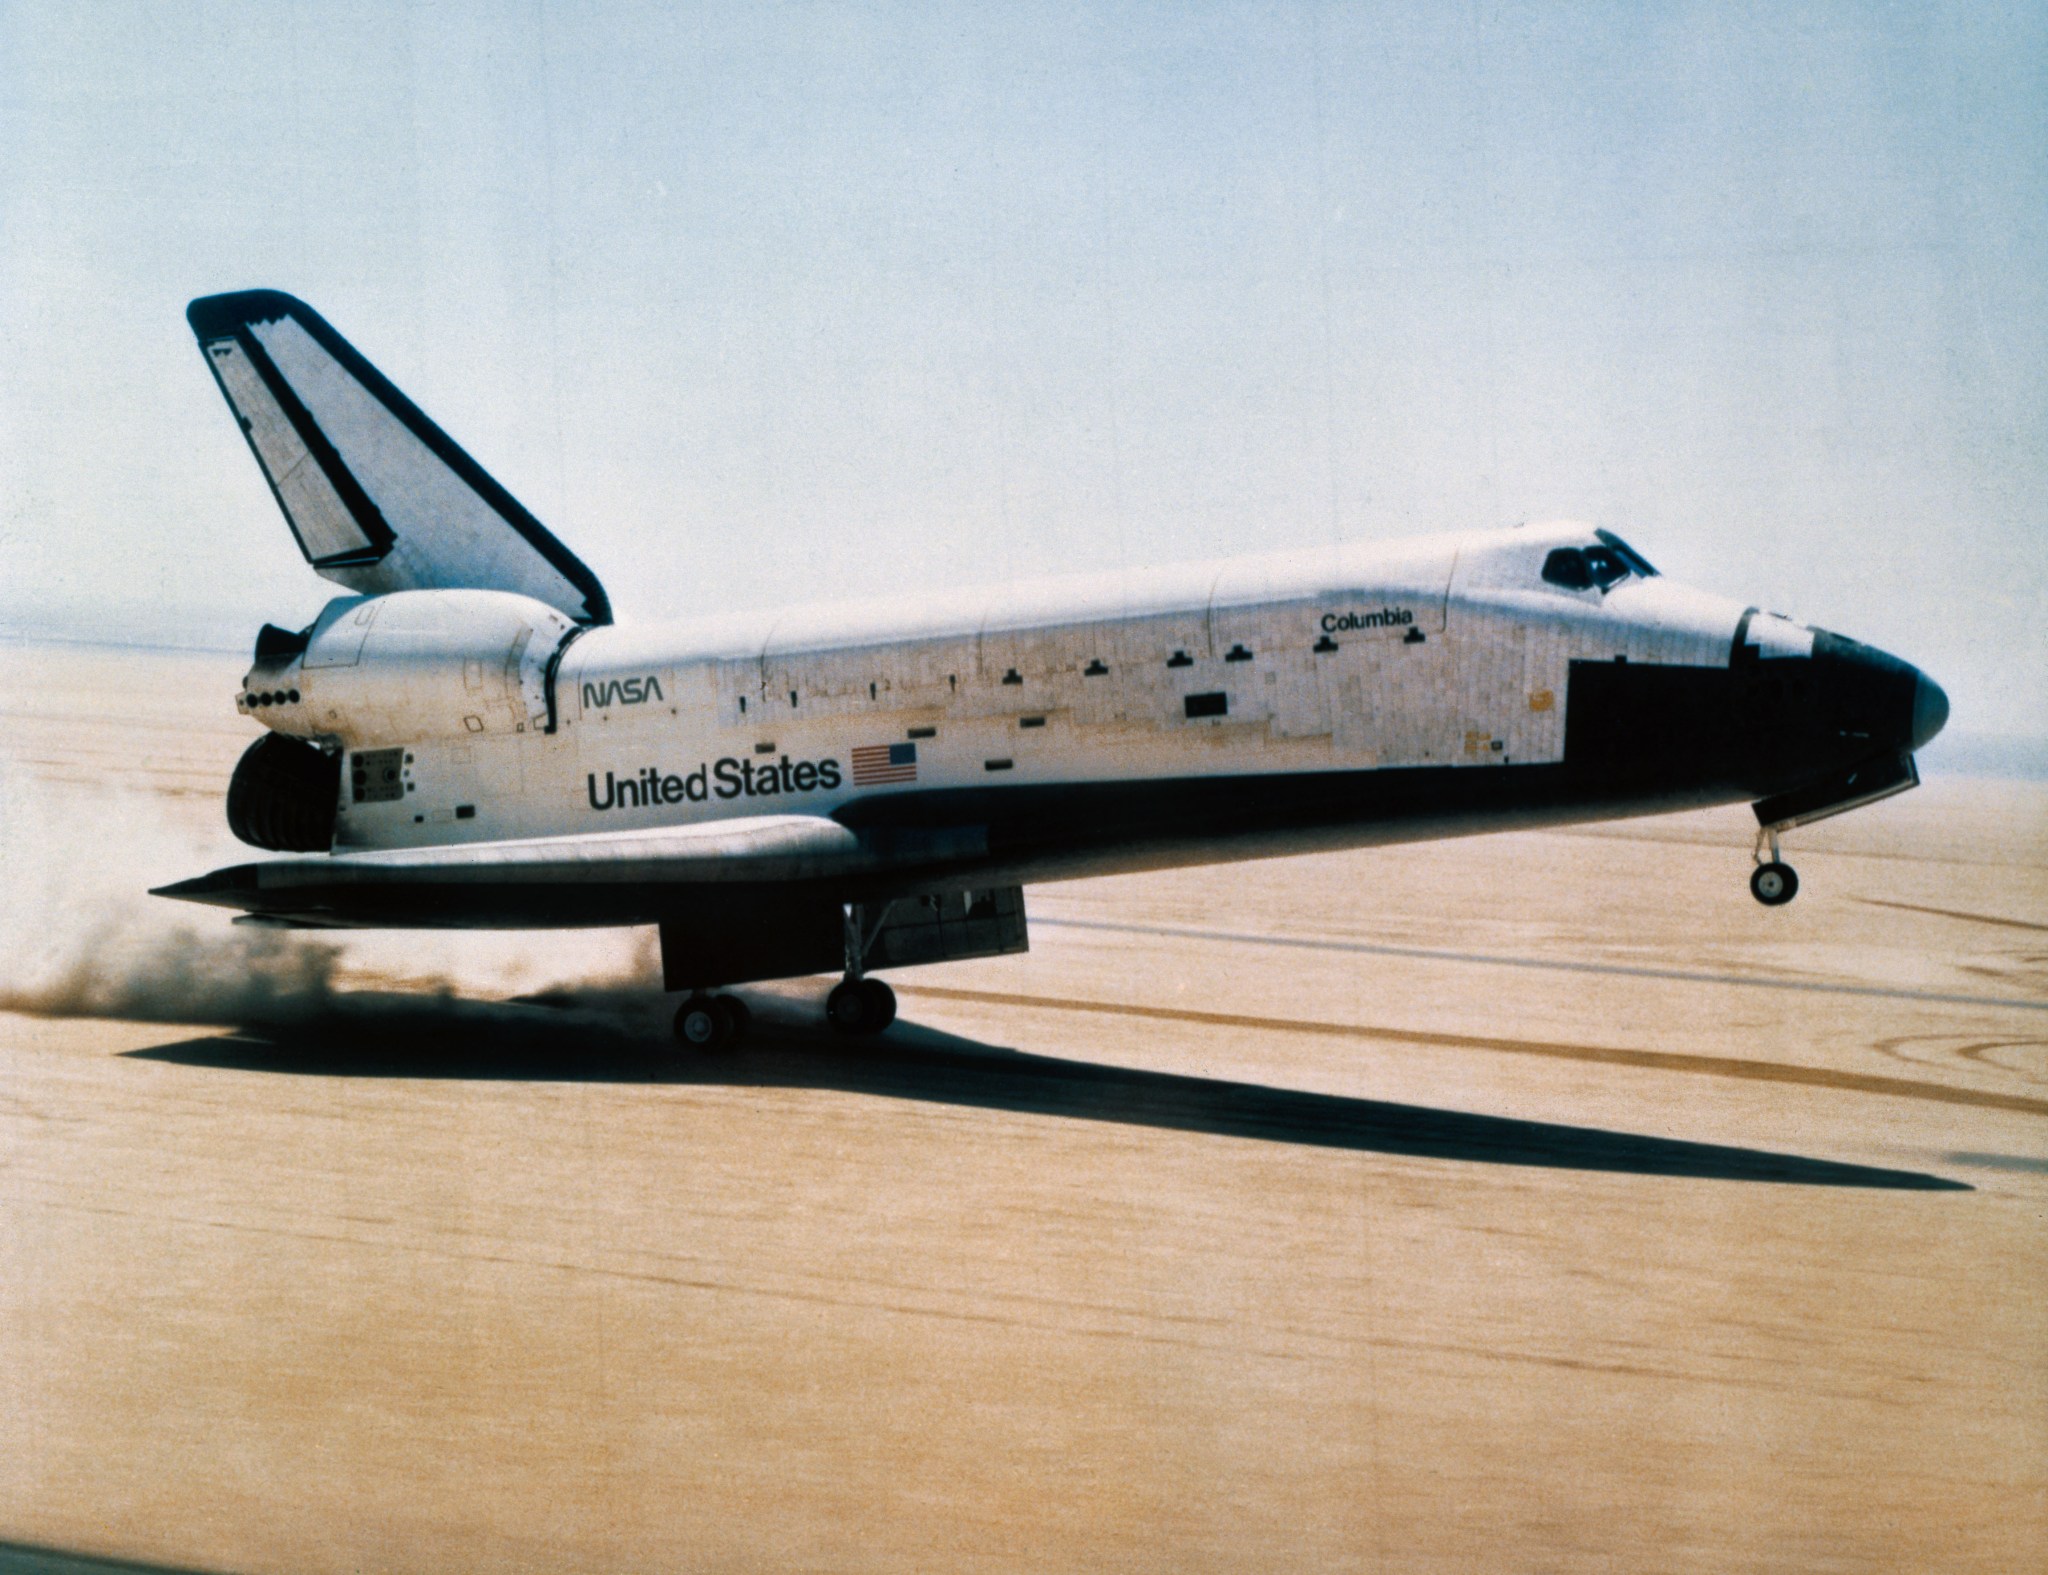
(849, 1008)
(739, 1017)
(1773, 884)
(882, 1001)
(861, 1006)
(701, 1024)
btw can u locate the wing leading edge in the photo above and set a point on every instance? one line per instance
(598, 878)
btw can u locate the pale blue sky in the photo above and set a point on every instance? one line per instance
(756, 303)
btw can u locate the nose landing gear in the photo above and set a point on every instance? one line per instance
(1773, 882)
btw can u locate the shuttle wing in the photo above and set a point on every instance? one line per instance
(618, 877)
(378, 497)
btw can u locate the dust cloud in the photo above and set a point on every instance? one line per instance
(81, 937)
(178, 975)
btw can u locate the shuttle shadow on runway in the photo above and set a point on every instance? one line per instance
(28, 1558)
(619, 1036)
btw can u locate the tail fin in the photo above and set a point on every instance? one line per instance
(379, 497)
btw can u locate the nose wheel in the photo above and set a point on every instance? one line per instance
(1773, 882)
(712, 1022)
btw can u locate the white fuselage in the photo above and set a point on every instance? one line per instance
(1443, 652)
(470, 742)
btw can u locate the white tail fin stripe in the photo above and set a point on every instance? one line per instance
(328, 529)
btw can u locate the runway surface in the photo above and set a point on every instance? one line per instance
(1520, 1203)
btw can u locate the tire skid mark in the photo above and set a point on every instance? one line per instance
(1601, 833)
(1966, 1047)
(1347, 1344)
(1549, 964)
(1952, 913)
(707, 1285)
(1604, 1055)
(1982, 1054)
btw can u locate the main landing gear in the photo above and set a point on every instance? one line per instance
(711, 1022)
(1773, 882)
(861, 1006)
(858, 1004)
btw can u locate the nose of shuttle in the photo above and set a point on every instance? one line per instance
(1930, 710)
(1836, 722)
(1875, 700)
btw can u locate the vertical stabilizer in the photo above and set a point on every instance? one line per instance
(379, 498)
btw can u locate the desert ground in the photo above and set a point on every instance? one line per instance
(1535, 1202)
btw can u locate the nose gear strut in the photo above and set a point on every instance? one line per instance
(1773, 882)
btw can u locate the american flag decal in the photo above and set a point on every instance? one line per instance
(875, 765)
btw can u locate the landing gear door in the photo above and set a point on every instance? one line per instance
(947, 926)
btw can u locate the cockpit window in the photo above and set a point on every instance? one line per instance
(1567, 567)
(1607, 566)
(1591, 568)
(1629, 555)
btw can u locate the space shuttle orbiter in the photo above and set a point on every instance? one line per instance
(466, 739)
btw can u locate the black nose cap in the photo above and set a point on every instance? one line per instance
(1930, 710)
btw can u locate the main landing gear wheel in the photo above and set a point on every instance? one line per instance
(711, 1022)
(861, 1006)
(1774, 884)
